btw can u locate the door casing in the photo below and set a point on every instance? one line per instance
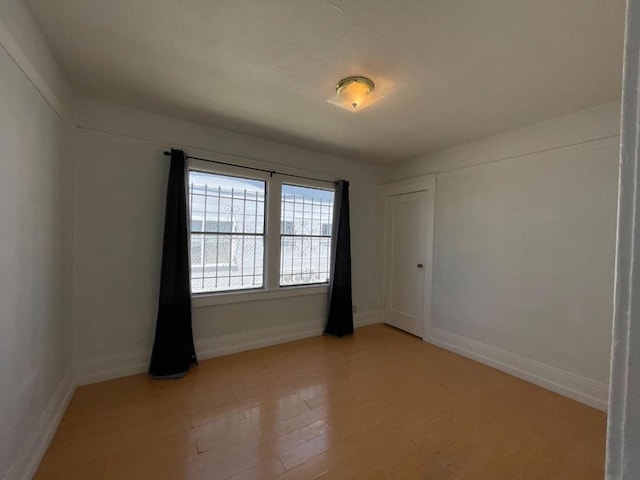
(419, 184)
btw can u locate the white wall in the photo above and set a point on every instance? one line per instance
(524, 250)
(119, 189)
(35, 328)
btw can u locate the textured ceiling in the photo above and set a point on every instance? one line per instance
(450, 70)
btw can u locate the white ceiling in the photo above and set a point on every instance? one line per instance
(450, 70)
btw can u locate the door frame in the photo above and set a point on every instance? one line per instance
(623, 429)
(427, 184)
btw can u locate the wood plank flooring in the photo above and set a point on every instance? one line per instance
(379, 405)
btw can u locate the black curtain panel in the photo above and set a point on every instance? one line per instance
(173, 350)
(340, 311)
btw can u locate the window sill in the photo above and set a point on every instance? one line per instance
(224, 298)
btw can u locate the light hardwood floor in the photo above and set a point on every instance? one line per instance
(379, 405)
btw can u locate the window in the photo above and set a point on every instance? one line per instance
(244, 239)
(227, 232)
(306, 216)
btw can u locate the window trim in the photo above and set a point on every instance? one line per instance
(200, 300)
(271, 288)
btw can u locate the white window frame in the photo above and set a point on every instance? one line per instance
(271, 286)
(293, 235)
(203, 250)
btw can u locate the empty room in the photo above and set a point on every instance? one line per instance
(319, 239)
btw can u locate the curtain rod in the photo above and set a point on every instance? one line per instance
(270, 172)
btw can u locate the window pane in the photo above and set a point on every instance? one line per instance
(219, 226)
(227, 240)
(306, 220)
(218, 250)
(197, 244)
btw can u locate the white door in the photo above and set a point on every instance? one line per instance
(406, 244)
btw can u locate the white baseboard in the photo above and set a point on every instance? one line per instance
(94, 370)
(576, 387)
(115, 366)
(25, 466)
(367, 318)
(240, 342)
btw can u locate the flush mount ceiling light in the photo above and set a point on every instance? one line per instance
(354, 94)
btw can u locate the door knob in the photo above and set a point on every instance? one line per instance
(420, 265)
